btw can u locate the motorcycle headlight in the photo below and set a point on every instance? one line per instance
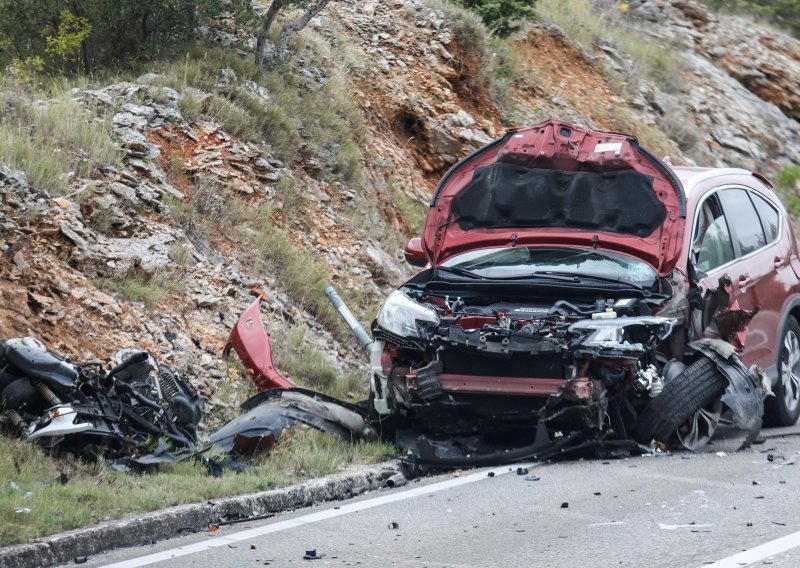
(399, 315)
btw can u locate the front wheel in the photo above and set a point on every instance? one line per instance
(784, 408)
(688, 406)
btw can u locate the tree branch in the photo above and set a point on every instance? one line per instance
(261, 40)
(293, 26)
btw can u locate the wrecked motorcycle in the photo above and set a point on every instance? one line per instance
(84, 410)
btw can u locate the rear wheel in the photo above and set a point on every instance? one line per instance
(689, 406)
(784, 408)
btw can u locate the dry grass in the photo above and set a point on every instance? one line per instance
(52, 140)
(33, 503)
(585, 25)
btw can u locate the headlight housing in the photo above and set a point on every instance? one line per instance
(399, 315)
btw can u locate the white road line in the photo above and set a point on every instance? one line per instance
(249, 534)
(761, 552)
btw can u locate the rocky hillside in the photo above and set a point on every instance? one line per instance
(223, 181)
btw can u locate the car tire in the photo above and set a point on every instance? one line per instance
(783, 409)
(681, 400)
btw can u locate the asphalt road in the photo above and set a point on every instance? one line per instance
(676, 510)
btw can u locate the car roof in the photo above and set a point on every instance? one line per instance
(691, 176)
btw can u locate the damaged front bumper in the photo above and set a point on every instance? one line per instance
(574, 388)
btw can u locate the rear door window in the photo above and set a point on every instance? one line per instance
(712, 245)
(769, 216)
(744, 223)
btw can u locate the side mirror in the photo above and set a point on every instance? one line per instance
(414, 253)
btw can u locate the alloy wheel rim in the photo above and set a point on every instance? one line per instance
(790, 371)
(700, 428)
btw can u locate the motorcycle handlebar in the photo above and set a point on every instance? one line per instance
(134, 359)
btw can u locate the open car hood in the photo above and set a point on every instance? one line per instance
(558, 184)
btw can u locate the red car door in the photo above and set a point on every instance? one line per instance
(759, 255)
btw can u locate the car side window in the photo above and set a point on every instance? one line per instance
(768, 215)
(746, 228)
(712, 245)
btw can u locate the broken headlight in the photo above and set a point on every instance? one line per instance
(619, 331)
(399, 315)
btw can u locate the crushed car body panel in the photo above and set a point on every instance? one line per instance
(268, 414)
(745, 394)
(557, 184)
(251, 342)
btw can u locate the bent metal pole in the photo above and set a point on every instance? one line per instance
(360, 334)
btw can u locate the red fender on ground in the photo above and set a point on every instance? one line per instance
(251, 342)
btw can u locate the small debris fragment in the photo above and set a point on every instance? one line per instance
(490, 474)
(692, 525)
(779, 524)
(720, 454)
(597, 493)
(394, 525)
(756, 483)
(252, 547)
(522, 471)
(314, 555)
(564, 505)
(213, 528)
(22, 510)
(749, 524)
(81, 559)
(531, 478)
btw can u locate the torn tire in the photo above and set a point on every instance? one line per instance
(696, 387)
(784, 408)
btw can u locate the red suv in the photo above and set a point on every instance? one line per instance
(578, 289)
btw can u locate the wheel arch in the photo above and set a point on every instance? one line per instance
(792, 309)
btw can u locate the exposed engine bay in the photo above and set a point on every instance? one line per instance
(526, 363)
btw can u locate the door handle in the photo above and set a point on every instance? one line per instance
(744, 279)
(779, 261)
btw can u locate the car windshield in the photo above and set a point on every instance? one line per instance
(517, 262)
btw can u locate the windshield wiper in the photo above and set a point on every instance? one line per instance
(460, 272)
(578, 277)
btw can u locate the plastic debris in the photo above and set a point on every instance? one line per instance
(691, 525)
(314, 555)
(565, 505)
(522, 471)
(532, 478)
(81, 559)
(720, 454)
(394, 525)
(22, 510)
(597, 493)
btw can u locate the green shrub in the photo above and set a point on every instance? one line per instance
(502, 17)
(85, 35)
(788, 177)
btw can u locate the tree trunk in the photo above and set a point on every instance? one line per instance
(293, 26)
(261, 40)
